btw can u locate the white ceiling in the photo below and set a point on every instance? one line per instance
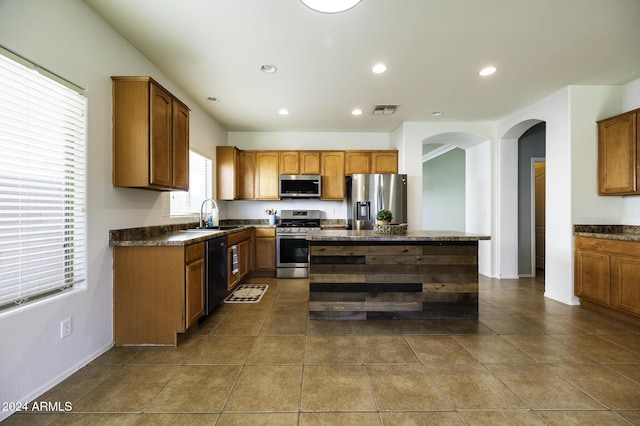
(433, 48)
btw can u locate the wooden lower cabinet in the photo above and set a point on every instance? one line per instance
(243, 243)
(265, 250)
(625, 284)
(158, 291)
(194, 276)
(607, 275)
(592, 280)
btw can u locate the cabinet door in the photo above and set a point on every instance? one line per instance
(333, 174)
(244, 258)
(265, 249)
(226, 172)
(384, 162)
(309, 163)
(617, 156)
(194, 283)
(267, 175)
(357, 162)
(180, 146)
(289, 163)
(194, 291)
(592, 276)
(161, 149)
(232, 279)
(625, 283)
(246, 177)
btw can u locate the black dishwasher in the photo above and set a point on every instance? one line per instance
(215, 273)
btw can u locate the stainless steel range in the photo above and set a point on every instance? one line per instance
(292, 248)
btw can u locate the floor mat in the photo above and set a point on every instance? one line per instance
(247, 293)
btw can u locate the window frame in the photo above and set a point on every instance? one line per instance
(49, 202)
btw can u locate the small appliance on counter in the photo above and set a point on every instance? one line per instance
(369, 193)
(292, 247)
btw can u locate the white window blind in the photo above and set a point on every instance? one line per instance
(42, 182)
(184, 203)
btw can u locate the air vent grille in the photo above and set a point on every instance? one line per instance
(385, 109)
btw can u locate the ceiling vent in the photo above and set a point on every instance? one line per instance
(386, 109)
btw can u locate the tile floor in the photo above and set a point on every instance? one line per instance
(528, 361)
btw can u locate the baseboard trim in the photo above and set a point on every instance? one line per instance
(59, 378)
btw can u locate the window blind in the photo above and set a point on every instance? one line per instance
(184, 203)
(42, 182)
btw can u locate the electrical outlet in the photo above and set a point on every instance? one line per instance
(66, 328)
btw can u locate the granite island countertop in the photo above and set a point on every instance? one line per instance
(369, 235)
(610, 232)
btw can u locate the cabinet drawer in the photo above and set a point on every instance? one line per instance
(603, 245)
(237, 237)
(265, 232)
(194, 251)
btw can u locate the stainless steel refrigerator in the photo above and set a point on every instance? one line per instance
(366, 194)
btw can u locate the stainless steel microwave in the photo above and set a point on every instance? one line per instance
(300, 186)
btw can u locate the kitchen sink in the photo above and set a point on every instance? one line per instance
(212, 229)
(225, 227)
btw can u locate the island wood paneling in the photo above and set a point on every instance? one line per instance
(360, 280)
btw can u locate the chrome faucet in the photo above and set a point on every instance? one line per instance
(215, 205)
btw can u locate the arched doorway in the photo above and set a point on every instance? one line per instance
(531, 200)
(455, 189)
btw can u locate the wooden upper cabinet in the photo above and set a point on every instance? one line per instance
(180, 146)
(267, 175)
(333, 175)
(161, 151)
(357, 162)
(384, 162)
(309, 163)
(246, 175)
(227, 172)
(618, 163)
(289, 163)
(150, 136)
(299, 163)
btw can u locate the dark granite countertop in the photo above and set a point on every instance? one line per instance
(350, 235)
(176, 235)
(611, 232)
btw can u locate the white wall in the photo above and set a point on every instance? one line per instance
(444, 191)
(408, 139)
(555, 111)
(67, 38)
(310, 140)
(479, 201)
(571, 143)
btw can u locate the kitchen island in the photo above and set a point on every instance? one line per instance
(417, 274)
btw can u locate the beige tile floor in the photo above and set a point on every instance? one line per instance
(528, 360)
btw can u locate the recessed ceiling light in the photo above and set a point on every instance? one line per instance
(330, 6)
(436, 113)
(487, 71)
(378, 68)
(268, 69)
(283, 111)
(356, 111)
(213, 99)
